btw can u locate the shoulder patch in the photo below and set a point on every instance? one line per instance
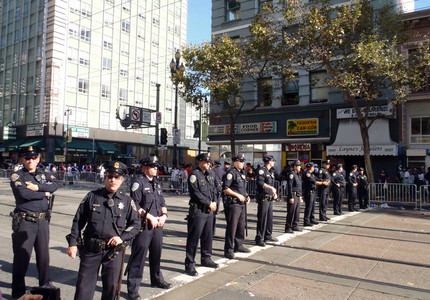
(334, 174)
(193, 178)
(308, 174)
(133, 205)
(14, 177)
(18, 183)
(229, 176)
(261, 172)
(321, 171)
(350, 174)
(291, 176)
(134, 187)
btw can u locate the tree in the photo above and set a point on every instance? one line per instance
(219, 68)
(358, 46)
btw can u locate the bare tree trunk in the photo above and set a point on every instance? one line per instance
(232, 135)
(366, 148)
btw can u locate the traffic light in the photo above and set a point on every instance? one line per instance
(67, 136)
(163, 136)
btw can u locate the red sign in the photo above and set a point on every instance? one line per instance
(299, 147)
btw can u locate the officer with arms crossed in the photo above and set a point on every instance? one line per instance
(266, 193)
(324, 189)
(352, 188)
(338, 184)
(234, 188)
(309, 192)
(147, 192)
(110, 219)
(294, 197)
(203, 204)
(31, 187)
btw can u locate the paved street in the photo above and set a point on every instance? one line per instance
(381, 254)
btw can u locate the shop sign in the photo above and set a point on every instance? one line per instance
(300, 127)
(9, 133)
(80, 132)
(245, 128)
(306, 147)
(35, 130)
(59, 158)
(390, 150)
(349, 113)
(217, 130)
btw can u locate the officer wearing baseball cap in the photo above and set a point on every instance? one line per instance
(339, 184)
(108, 219)
(324, 189)
(31, 187)
(147, 193)
(266, 194)
(201, 185)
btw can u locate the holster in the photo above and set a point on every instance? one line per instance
(232, 200)
(114, 251)
(192, 211)
(16, 221)
(95, 245)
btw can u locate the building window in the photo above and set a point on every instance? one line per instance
(86, 9)
(125, 48)
(24, 57)
(73, 30)
(264, 4)
(125, 26)
(139, 99)
(107, 42)
(107, 63)
(264, 91)
(141, 33)
(139, 74)
(72, 54)
(319, 88)
(105, 91)
(84, 58)
(141, 12)
(108, 19)
(17, 36)
(104, 120)
(290, 91)
(126, 5)
(75, 7)
(420, 130)
(40, 27)
(123, 95)
(71, 84)
(156, 21)
(140, 54)
(83, 86)
(232, 10)
(112, 2)
(85, 34)
(123, 70)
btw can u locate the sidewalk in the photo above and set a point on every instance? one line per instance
(379, 254)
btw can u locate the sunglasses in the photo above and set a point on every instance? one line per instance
(110, 176)
(31, 158)
(152, 166)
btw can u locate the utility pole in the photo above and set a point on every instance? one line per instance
(156, 121)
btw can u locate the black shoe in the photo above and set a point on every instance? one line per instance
(314, 222)
(210, 264)
(191, 271)
(260, 243)
(162, 285)
(288, 230)
(307, 225)
(272, 239)
(242, 249)
(337, 214)
(297, 229)
(230, 255)
(134, 297)
(351, 209)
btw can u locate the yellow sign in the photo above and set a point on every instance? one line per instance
(302, 127)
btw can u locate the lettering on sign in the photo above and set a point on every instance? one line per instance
(302, 127)
(244, 128)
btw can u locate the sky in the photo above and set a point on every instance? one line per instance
(199, 19)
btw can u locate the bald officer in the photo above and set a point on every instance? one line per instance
(32, 187)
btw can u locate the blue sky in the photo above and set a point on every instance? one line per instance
(199, 19)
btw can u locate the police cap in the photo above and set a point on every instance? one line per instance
(310, 165)
(339, 165)
(216, 162)
(226, 163)
(150, 161)
(268, 158)
(239, 157)
(30, 152)
(326, 162)
(296, 163)
(354, 167)
(115, 167)
(361, 169)
(204, 157)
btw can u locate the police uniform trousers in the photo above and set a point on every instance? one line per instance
(309, 197)
(235, 231)
(323, 203)
(293, 213)
(363, 197)
(88, 272)
(264, 220)
(199, 228)
(29, 235)
(337, 200)
(152, 240)
(352, 196)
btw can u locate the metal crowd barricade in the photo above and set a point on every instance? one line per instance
(398, 193)
(251, 188)
(424, 195)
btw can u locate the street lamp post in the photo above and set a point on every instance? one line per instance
(67, 113)
(175, 68)
(200, 122)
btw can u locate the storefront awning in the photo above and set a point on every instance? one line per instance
(270, 141)
(416, 152)
(40, 143)
(125, 155)
(81, 146)
(107, 148)
(349, 142)
(10, 145)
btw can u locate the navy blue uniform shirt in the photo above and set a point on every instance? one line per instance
(294, 184)
(235, 180)
(202, 187)
(145, 191)
(265, 176)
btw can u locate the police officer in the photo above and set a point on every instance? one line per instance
(32, 187)
(110, 219)
(363, 189)
(338, 184)
(147, 192)
(266, 193)
(234, 188)
(203, 204)
(309, 192)
(352, 188)
(294, 197)
(324, 189)
(218, 173)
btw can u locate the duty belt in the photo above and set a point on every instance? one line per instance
(298, 194)
(95, 245)
(33, 216)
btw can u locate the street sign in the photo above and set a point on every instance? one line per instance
(176, 136)
(135, 115)
(158, 118)
(146, 117)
